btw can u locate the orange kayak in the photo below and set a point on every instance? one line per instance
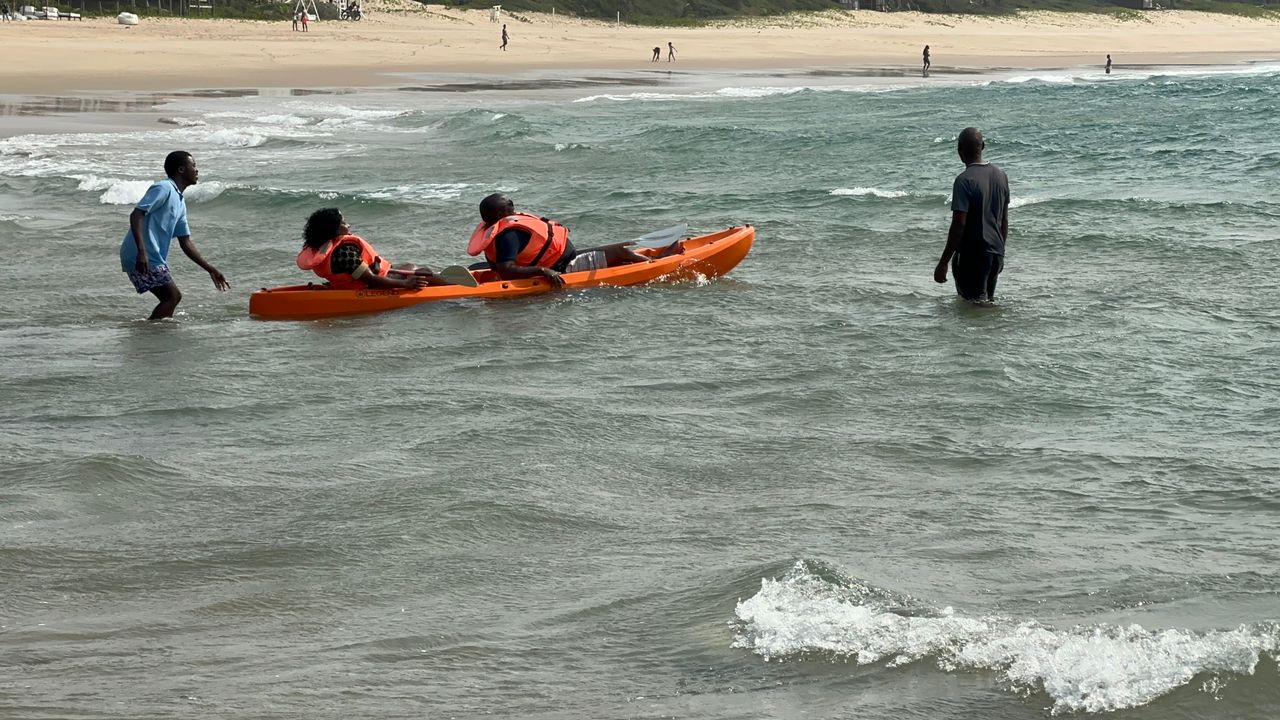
(704, 256)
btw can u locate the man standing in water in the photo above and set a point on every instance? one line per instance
(979, 223)
(925, 72)
(1108, 64)
(161, 216)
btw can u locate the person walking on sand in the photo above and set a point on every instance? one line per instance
(505, 39)
(671, 52)
(657, 53)
(979, 223)
(295, 21)
(305, 18)
(160, 216)
(925, 72)
(1108, 64)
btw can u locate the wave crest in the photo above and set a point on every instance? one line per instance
(1091, 669)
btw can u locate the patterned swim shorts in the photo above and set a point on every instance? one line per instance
(589, 260)
(157, 276)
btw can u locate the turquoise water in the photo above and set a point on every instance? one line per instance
(820, 486)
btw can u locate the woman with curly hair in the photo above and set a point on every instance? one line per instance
(349, 262)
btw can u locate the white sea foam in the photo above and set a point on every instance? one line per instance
(1018, 202)
(1044, 78)
(183, 122)
(1093, 75)
(420, 191)
(116, 191)
(744, 92)
(1083, 669)
(875, 192)
(230, 137)
(327, 111)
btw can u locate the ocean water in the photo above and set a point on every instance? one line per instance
(818, 487)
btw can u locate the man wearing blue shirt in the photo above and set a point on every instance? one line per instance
(161, 216)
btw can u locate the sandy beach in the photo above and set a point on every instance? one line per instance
(44, 57)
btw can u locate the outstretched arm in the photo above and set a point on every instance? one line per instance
(397, 280)
(189, 248)
(954, 234)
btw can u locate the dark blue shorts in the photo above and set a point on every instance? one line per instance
(975, 274)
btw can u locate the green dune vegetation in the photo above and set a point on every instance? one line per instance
(687, 12)
(694, 11)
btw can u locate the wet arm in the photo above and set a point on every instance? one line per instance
(189, 247)
(512, 271)
(954, 235)
(139, 229)
(398, 281)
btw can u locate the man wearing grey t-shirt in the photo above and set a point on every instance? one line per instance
(979, 223)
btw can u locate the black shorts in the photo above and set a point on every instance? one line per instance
(975, 274)
(570, 252)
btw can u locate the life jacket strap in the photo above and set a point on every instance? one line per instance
(545, 246)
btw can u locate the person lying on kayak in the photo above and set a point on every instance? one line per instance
(349, 262)
(520, 245)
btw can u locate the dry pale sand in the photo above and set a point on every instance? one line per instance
(43, 57)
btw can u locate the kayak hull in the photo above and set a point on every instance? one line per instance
(706, 256)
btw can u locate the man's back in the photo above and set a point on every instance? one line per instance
(982, 191)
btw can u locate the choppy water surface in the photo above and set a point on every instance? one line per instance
(818, 487)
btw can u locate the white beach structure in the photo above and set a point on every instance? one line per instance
(308, 7)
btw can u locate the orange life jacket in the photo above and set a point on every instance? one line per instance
(317, 261)
(547, 240)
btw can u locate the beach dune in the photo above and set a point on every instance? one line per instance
(44, 57)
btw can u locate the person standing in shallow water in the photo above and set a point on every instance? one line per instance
(160, 216)
(925, 71)
(979, 223)
(1108, 64)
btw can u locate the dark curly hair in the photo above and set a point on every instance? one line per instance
(321, 227)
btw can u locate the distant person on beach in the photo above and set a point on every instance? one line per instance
(1108, 64)
(671, 52)
(520, 245)
(4, 12)
(159, 217)
(296, 19)
(657, 53)
(505, 39)
(979, 223)
(348, 261)
(926, 60)
(305, 18)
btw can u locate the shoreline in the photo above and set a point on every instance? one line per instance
(127, 110)
(179, 54)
